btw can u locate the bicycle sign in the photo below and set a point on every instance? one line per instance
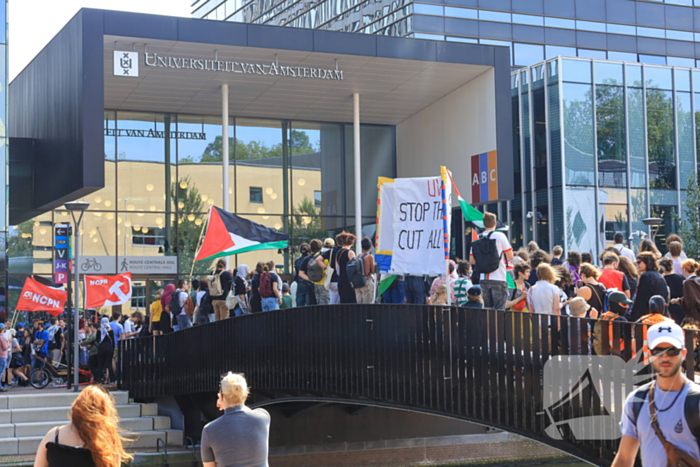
(91, 263)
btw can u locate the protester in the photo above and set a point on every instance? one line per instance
(17, 361)
(586, 257)
(4, 353)
(25, 341)
(648, 246)
(345, 290)
(414, 288)
(194, 290)
(304, 288)
(255, 299)
(565, 283)
(650, 283)
(239, 290)
(395, 293)
(619, 240)
(532, 247)
(675, 249)
(41, 343)
(206, 310)
(557, 251)
(156, 312)
(220, 280)
(132, 326)
(517, 297)
(56, 341)
(91, 439)
(523, 255)
(579, 308)
(105, 350)
(117, 332)
(618, 306)
(442, 280)
(543, 297)
(92, 342)
(440, 296)
(474, 298)
(573, 262)
(611, 278)
(629, 269)
(536, 258)
(463, 283)
(494, 286)
(675, 238)
(365, 294)
(690, 301)
(286, 297)
(591, 290)
(270, 294)
(331, 255)
(241, 436)
(663, 407)
(316, 265)
(675, 287)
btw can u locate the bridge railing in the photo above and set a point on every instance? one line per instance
(525, 373)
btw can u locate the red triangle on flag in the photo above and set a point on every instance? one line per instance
(217, 238)
(475, 236)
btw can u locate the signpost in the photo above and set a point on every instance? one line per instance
(63, 252)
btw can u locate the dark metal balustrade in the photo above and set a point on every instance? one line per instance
(479, 365)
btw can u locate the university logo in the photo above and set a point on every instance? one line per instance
(126, 63)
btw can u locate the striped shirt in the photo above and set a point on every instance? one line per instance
(462, 286)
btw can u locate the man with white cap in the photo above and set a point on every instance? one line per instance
(662, 417)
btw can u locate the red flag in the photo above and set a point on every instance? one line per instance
(39, 297)
(107, 290)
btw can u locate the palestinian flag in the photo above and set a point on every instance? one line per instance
(470, 213)
(228, 234)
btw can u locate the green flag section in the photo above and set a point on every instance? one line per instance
(510, 281)
(470, 213)
(229, 234)
(385, 284)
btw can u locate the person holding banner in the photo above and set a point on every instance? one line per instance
(493, 281)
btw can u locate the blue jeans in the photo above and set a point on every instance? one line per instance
(269, 304)
(395, 293)
(415, 290)
(302, 294)
(183, 321)
(3, 366)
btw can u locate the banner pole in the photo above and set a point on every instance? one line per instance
(446, 235)
(199, 242)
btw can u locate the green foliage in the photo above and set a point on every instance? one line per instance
(660, 138)
(301, 144)
(689, 225)
(18, 245)
(188, 232)
(610, 113)
(305, 223)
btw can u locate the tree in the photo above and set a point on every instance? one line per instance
(19, 242)
(689, 226)
(188, 232)
(301, 144)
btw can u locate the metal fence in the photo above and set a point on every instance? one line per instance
(480, 365)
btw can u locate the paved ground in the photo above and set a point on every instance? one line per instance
(47, 390)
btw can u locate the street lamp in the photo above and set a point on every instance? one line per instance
(76, 207)
(654, 223)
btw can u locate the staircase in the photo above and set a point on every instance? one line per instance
(26, 418)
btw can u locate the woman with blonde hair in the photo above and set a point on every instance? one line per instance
(440, 296)
(92, 437)
(156, 311)
(543, 297)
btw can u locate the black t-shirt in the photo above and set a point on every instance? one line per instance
(300, 265)
(226, 281)
(332, 257)
(239, 286)
(675, 285)
(556, 262)
(254, 284)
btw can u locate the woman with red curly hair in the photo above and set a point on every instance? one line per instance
(91, 439)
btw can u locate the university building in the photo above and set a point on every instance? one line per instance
(140, 106)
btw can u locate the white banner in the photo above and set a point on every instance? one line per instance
(419, 240)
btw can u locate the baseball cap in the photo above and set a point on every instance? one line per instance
(285, 287)
(2, 325)
(619, 297)
(329, 243)
(666, 332)
(20, 325)
(578, 306)
(474, 291)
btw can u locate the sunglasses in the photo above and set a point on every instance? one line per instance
(670, 351)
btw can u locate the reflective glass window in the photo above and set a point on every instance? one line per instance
(581, 219)
(634, 76)
(622, 29)
(667, 212)
(551, 51)
(610, 127)
(590, 26)
(679, 61)
(528, 54)
(613, 213)
(638, 212)
(560, 23)
(462, 39)
(431, 37)
(679, 35)
(653, 59)
(588, 53)
(637, 137)
(528, 19)
(494, 16)
(622, 56)
(658, 78)
(578, 71)
(651, 32)
(680, 2)
(578, 128)
(461, 12)
(540, 134)
(423, 9)
(685, 137)
(682, 80)
(662, 169)
(608, 73)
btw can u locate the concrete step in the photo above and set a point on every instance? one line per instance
(142, 439)
(60, 414)
(23, 430)
(20, 401)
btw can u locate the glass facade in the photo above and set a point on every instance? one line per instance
(292, 176)
(611, 126)
(5, 242)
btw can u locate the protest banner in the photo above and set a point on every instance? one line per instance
(107, 290)
(36, 296)
(384, 239)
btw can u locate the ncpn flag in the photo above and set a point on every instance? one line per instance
(228, 234)
(107, 290)
(36, 296)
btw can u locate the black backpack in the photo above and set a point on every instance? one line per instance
(355, 271)
(691, 407)
(486, 257)
(205, 306)
(314, 271)
(175, 307)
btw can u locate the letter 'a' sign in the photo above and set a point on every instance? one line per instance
(484, 177)
(126, 64)
(107, 290)
(39, 297)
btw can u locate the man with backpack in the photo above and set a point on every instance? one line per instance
(314, 276)
(489, 256)
(662, 418)
(304, 289)
(177, 305)
(55, 341)
(268, 290)
(219, 287)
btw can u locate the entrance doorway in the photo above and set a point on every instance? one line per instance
(144, 291)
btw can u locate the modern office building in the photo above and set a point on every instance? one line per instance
(4, 194)
(599, 146)
(654, 32)
(141, 105)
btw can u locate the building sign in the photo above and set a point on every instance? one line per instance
(484, 177)
(133, 264)
(267, 69)
(126, 64)
(154, 134)
(62, 252)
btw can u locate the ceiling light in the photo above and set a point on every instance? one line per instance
(190, 217)
(149, 187)
(301, 182)
(108, 203)
(198, 222)
(183, 184)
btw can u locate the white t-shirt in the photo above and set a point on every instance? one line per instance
(503, 246)
(543, 297)
(626, 252)
(129, 326)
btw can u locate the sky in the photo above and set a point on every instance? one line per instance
(32, 24)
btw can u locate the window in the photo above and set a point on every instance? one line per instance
(494, 16)
(679, 35)
(678, 61)
(652, 59)
(587, 53)
(528, 54)
(318, 199)
(621, 29)
(421, 9)
(590, 26)
(622, 56)
(138, 297)
(256, 194)
(552, 51)
(528, 19)
(560, 23)
(651, 32)
(461, 12)
(147, 236)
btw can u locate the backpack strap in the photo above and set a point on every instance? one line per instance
(692, 410)
(639, 397)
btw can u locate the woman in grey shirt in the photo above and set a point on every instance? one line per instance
(240, 437)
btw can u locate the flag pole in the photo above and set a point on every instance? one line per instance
(445, 232)
(199, 241)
